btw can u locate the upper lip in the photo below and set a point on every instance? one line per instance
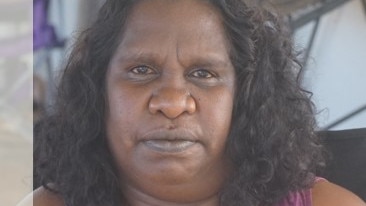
(178, 134)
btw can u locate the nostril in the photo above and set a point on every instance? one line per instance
(191, 104)
(172, 103)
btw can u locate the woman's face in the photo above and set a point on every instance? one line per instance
(170, 89)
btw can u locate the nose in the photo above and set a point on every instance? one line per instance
(172, 102)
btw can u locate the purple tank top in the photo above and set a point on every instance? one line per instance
(299, 198)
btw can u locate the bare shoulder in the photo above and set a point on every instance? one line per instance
(42, 197)
(329, 194)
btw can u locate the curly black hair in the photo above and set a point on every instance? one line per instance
(272, 141)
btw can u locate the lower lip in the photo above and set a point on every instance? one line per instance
(169, 146)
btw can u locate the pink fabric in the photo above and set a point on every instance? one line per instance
(299, 198)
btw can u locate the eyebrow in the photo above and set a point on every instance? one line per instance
(209, 60)
(140, 56)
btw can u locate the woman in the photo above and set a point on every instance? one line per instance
(182, 103)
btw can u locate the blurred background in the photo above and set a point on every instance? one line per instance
(330, 33)
(16, 114)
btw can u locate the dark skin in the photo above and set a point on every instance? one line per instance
(170, 91)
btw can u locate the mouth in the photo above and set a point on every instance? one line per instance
(169, 141)
(170, 146)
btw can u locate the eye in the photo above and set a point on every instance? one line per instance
(142, 73)
(142, 70)
(202, 74)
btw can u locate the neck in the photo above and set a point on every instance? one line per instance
(135, 197)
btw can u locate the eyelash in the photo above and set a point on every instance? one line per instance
(143, 72)
(199, 74)
(148, 70)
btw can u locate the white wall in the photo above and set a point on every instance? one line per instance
(337, 71)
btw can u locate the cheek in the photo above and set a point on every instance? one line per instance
(216, 115)
(120, 108)
(117, 123)
(125, 103)
(124, 110)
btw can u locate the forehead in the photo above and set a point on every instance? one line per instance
(193, 25)
(173, 11)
